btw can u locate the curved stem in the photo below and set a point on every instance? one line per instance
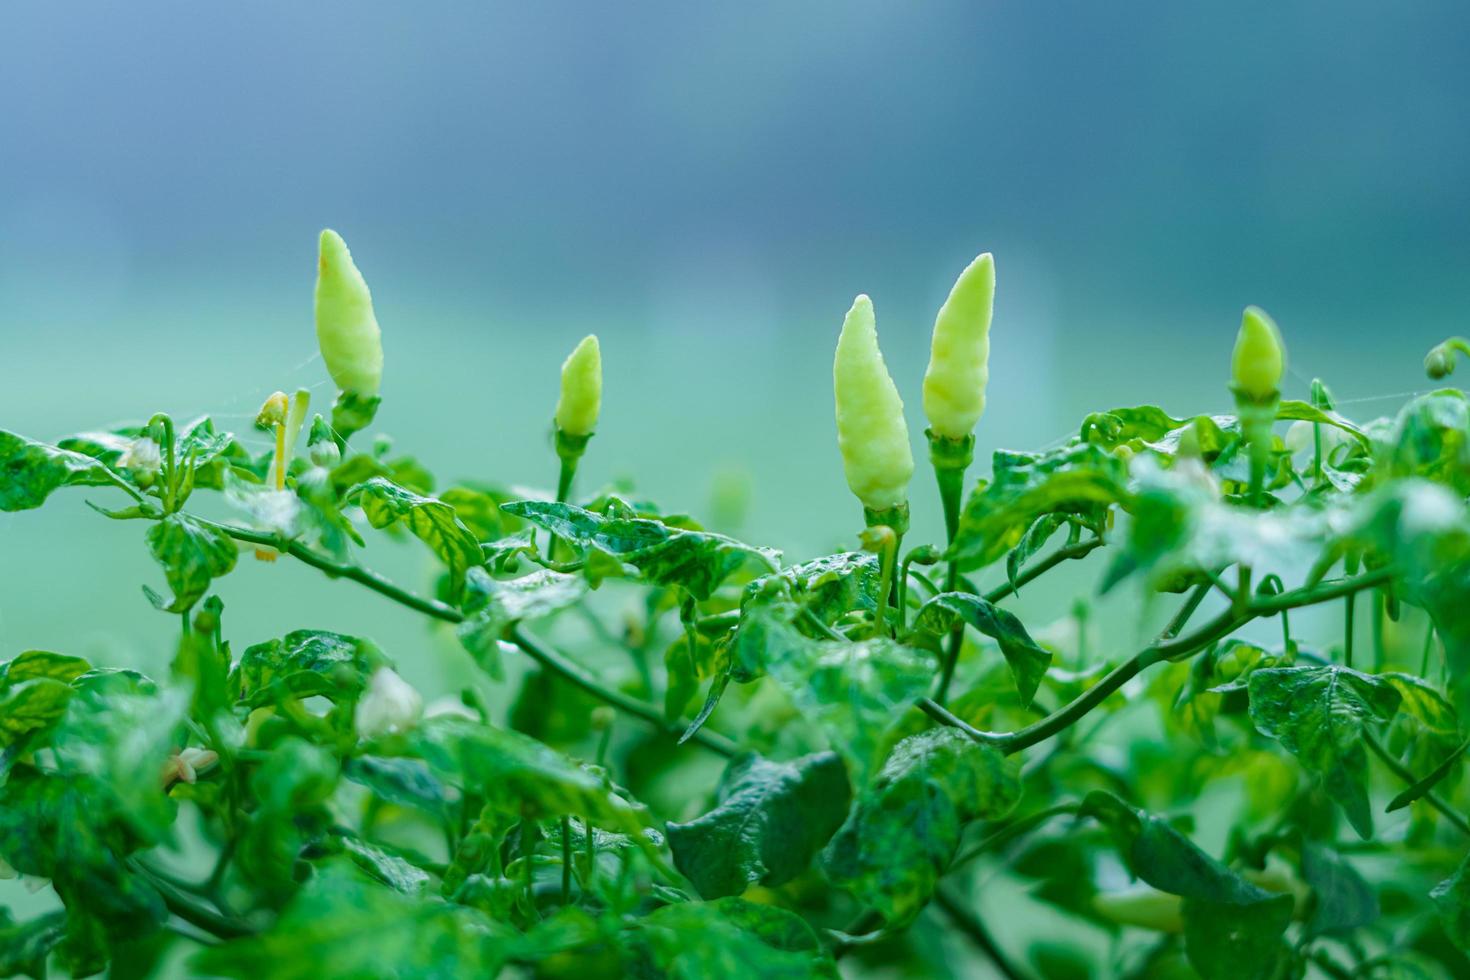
(553, 661)
(543, 654)
(974, 927)
(1168, 648)
(1079, 550)
(1433, 799)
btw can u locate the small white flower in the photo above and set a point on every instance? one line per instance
(186, 765)
(390, 705)
(143, 459)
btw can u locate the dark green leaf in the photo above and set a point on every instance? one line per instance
(1028, 661)
(733, 938)
(904, 830)
(1343, 901)
(24, 946)
(342, 926)
(1452, 900)
(772, 818)
(1319, 715)
(1232, 928)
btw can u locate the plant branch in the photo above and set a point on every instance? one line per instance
(539, 651)
(974, 927)
(555, 662)
(1169, 648)
(1433, 799)
(1065, 553)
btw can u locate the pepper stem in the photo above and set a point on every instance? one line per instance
(1256, 418)
(950, 457)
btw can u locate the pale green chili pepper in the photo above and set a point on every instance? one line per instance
(346, 329)
(581, 389)
(959, 355)
(871, 432)
(1259, 359)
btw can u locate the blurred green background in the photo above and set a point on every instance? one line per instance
(706, 187)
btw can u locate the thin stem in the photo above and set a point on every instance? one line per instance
(1011, 831)
(589, 849)
(566, 860)
(1433, 799)
(1079, 550)
(957, 638)
(186, 908)
(557, 664)
(1168, 648)
(543, 654)
(974, 927)
(280, 467)
(1347, 631)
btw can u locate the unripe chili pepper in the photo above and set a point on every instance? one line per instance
(1259, 359)
(346, 329)
(871, 432)
(959, 355)
(581, 389)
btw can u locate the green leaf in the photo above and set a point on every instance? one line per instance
(24, 946)
(832, 586)
(405, 782)
(904, 830)
(432, 521)
(1343, 901)
(1452, 901)
(494, 605)
(31, 706)
(390, 869)
(772, 818)
(31, 471)
(342, 926)
(1081, 479)
(305, 663)
(520, 774)
(1028, 662)
(855, 692)
(1319, 714)
(39, 663)
(698, 561)
(1232, 928)
(192, 554)
(351, 413)
(733, 938)
(66, 828)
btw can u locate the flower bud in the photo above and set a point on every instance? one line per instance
(346, 329)
(273, 412)
(390, 705)
(959, 354)
(602, 718)
(1259, 359)
(1440, 362)
(871, 433)
(143, 459)
(581, 389)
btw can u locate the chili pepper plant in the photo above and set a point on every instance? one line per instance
(718, 762)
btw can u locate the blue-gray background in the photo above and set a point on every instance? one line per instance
(706, 187)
